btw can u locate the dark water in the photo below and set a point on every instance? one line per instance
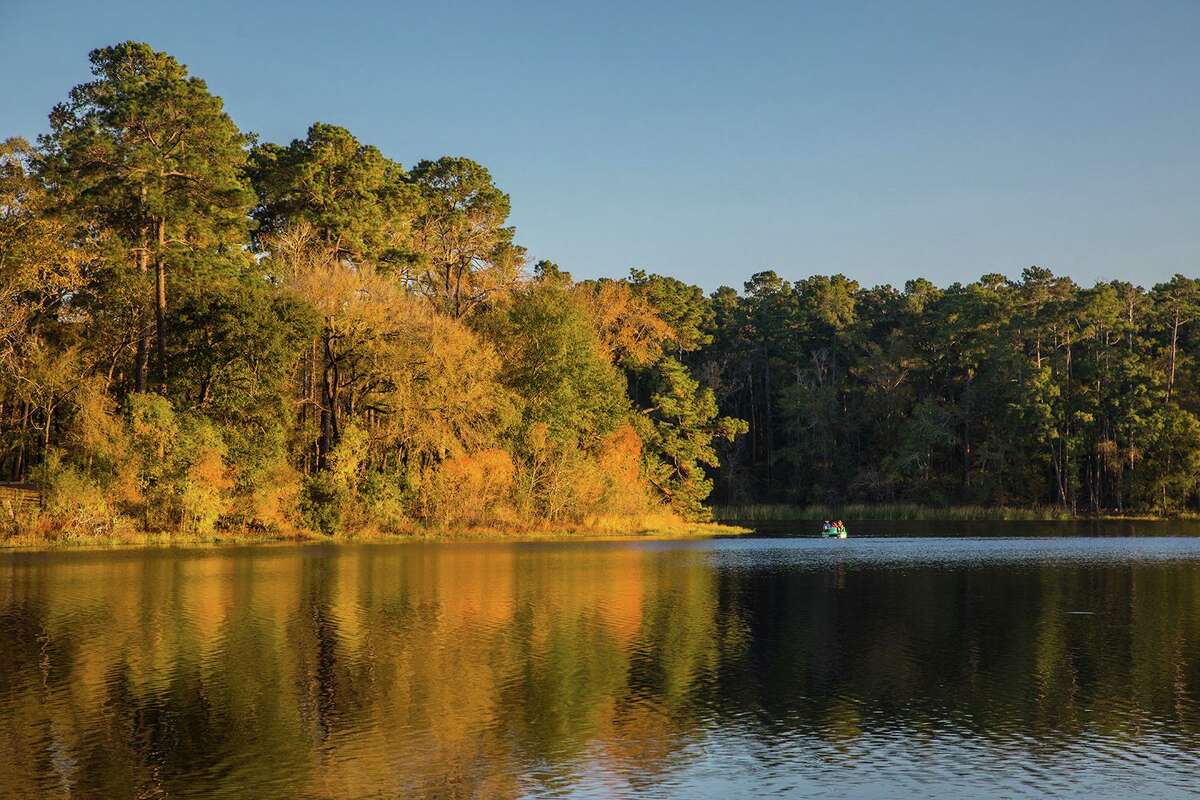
(964, 667)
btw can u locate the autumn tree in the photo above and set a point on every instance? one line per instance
(40, 357)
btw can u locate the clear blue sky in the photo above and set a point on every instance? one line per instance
(709, 141)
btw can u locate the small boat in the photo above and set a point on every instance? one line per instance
(833, 532)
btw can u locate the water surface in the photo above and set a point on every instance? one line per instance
(940, 667)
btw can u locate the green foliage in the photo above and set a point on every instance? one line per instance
(1033, 392)
(680, 305)
(145, 141)
(321, 503)
(148, 171)
(235, 345)
(330, 496)
(1172, 473)
(554, 362)
(683, 424)
(466, 255)
(359, 202)
(180, 465)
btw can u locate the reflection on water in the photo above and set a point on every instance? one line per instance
(714, 669)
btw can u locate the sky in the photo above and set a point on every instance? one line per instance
(710, 141)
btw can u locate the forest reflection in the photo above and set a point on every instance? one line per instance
(447, 671)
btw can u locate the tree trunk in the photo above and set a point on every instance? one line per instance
(160, 305)
(966, 448)
(329, 401)
(306, 391)
(22, 454)
(142, 358)
(1174, 350)
(46, 432)
(770, 421)
(315, 400)
(1070, 474)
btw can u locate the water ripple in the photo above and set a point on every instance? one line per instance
(1021, 667)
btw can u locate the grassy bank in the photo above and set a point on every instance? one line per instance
(890, 511)
(614, 528)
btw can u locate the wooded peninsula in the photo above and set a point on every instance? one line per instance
(203, 332)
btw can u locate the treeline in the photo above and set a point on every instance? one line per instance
(1035, 392)
(199, 330)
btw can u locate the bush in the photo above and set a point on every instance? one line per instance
(205, 482)
(383, 501)
(470, 489)
(272, 502)
(180, 463)
(75, 504)
(620, 462)
(321, 502)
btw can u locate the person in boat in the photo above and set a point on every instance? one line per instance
(827, 528)
(840, 529)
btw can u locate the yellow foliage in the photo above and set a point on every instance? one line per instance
(619, 461)
(558, 483)
(38, 256)
(446, 396)
(204, 491)
(472, 489)
(74, 503)
(274, 501)
(630, 330)
(348, 457)
(97, 427)
(430, 381)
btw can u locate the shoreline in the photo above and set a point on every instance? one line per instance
(161, 540)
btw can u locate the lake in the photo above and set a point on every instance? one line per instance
(968, 666)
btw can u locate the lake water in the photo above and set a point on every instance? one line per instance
(975, 666)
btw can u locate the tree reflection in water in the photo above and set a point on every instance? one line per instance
(495, 670)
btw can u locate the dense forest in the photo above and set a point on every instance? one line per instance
(199, 330)
(999, 392)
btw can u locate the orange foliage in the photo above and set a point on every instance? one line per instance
(630, 330)
(619, 460)
(211, 471)
(273, 502)
(471, 489)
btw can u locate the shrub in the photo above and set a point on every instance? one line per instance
(470, 489)
(75, 504)
(383, 501)
(273, 501)
(619, 462)
(321, 502)
(205, 481)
